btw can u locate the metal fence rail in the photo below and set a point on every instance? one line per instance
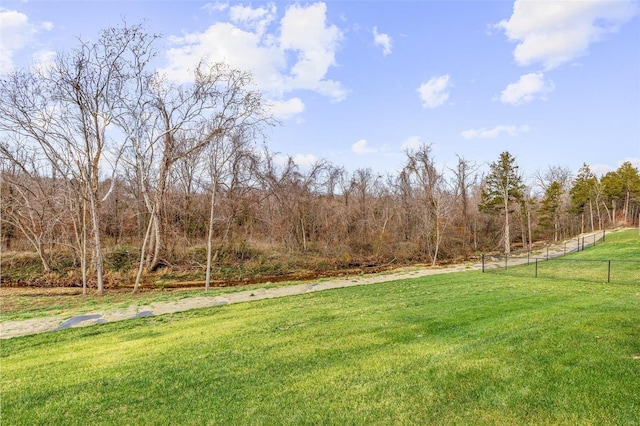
(551, 263)
(597, 270)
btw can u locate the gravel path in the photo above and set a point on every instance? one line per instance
(38, 325)
(10, 329)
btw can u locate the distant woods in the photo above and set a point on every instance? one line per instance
(100, 153)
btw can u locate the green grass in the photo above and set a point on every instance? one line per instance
(591, 264)
(624, 245)
(465, 348)
(45, 302)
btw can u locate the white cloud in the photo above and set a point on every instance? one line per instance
(15, 33)
(303, 35)
(43, 59)
(284, 110)
(555, 32)
(226, 42)
(362, 147)
(6, 61)
(304, 30)
(412, 143)
(215, 7)
(305, 161)
(383, 40)
(255, 19)
(601, 169)
(485, 133)
(434, 92)
(635, 161)
(16, 30)
(527, 88)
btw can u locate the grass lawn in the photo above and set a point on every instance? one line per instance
(464, 348)
(622, 249)
(24, 303)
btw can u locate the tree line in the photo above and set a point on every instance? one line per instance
(100, 151)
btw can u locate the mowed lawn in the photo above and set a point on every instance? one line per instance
(616, 260)
(465, 348)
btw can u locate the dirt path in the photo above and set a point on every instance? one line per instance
(10, 329)
(38, 325)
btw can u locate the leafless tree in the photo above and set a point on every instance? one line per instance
(435, 207)
(465, 178)
(183, 119)
(67, 109)
(29, 199)
(232, 164)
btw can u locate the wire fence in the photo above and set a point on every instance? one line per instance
(551, 262)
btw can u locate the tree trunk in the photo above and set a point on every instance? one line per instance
(438, 238)
(210, 239)
(475, 232)
(304, 236)
(153, 257)
(98, 260)
(143, 253)
(154, 254)
(507, 232)
(529, 227)
(83, 259)
(46, 267)
(626, 206)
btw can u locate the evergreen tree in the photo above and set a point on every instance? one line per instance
(583, 193)
(622, 189)
(552, 208)
(503, 187)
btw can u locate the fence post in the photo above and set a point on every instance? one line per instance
(528, 254)
(604, 231)
(547, 252)
(609, 273)
(565, 248)
(482, 262)
(536, 268)
(506, 260)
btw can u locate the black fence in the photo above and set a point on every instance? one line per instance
(551, 263)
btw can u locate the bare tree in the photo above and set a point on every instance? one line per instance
(67, 109)
(435, 206)
(29, 199)
(465, 177)
(183, 119)
(232, 162)
(554, 173)
(364, 183)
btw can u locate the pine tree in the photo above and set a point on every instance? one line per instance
(503, 186)
(622, 188)
(551, 208)
(583, 193)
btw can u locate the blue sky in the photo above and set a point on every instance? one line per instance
(356, 83)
